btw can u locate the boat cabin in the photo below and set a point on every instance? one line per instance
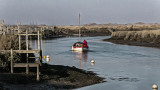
(78, 44)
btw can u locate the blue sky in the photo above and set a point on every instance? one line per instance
(65, 12)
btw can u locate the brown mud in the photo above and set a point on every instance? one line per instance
(52, 77)
(133, 43)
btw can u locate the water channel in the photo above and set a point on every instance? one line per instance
(123, 67)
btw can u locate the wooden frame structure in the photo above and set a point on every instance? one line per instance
(27, 51)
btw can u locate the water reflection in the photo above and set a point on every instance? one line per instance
(81, 56)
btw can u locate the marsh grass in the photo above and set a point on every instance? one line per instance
(151, 36)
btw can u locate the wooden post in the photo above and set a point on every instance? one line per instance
(19, 42)
(27, 43)
(40, 55)
(27, 69)
(11, 61)
(39, 48)
(38, 41)
(41, 38)
(19, 38)
(37, 72)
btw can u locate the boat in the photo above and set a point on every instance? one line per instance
(80, 46)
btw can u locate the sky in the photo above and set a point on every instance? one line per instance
(65, 12)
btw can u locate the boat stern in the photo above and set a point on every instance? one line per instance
(77, 48)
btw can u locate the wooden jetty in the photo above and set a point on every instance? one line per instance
(27, 51)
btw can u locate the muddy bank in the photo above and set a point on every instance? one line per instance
(133, 43)
(52, 77)
(83, 32)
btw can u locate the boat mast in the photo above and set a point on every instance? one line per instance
(79, 28)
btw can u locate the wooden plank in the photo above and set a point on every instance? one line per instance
(27, 69)
(25, 64)
(27, 44)
(38, 41)
(25, 51)
(33, 57)
(21, 51)
(28, 34)
(38, 73)
(11, 61)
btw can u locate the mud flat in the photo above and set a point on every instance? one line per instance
(52, 77)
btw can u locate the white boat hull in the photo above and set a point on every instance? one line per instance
(79, 49)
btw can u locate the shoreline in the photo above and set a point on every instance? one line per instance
(133, 43)
(52, 77)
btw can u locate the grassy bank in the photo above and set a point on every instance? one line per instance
(52, 77)
(150, 38)
(105, 29)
